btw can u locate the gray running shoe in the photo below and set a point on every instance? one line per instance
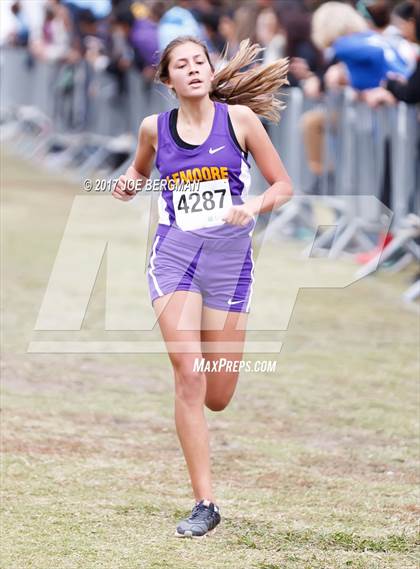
(202, 521)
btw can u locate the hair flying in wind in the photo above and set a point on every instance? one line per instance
(257, 87)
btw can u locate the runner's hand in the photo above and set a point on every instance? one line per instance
(238, 215)
(121, 191)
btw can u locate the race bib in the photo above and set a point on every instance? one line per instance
(205, 207)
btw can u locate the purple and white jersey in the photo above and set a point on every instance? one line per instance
(220, 167)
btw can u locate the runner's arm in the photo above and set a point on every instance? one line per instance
(142, 164)
(269, 163)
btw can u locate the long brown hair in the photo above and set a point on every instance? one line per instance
(256, 87)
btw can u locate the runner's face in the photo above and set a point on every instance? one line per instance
(188, 61)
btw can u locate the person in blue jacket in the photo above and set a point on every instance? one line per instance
(368, 56)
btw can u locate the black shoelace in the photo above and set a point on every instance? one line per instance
(198, 512)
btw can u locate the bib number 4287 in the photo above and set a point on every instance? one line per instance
(204, 201)
(203, 208)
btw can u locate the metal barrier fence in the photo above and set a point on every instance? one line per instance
(77, 98)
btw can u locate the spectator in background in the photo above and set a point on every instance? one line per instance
(56, 38)
(245, 17)
(366, 56)
(123, 5)
(239, 24)
(305, 58)
(270, 35)
(390, 92)
(19, 34)
(87, 26)
(371, 61)
(98, 8)
(144, 36)
(121, 54)
(397, 88)
(377, 14)
(208, 14)
(409, 23)
(214, 41)
(358, 56)
(405, 17)
(228, 31)
(91, 38)
(178, 21)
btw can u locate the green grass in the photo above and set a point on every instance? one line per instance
(315, 466)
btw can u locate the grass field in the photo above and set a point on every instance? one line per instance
(315, 465)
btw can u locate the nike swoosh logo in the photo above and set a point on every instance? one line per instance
(213, 150)
(230, 301)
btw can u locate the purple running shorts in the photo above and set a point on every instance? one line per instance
(220, 269)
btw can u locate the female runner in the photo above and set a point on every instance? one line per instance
(200, 270)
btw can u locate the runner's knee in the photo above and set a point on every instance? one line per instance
(217, 405)
(219, 399)
(190, 385)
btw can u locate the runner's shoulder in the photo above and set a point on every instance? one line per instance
(243, 119)
(148, 128)
(241, 112)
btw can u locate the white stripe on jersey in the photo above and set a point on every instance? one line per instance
(163, 214)
(245, 177)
